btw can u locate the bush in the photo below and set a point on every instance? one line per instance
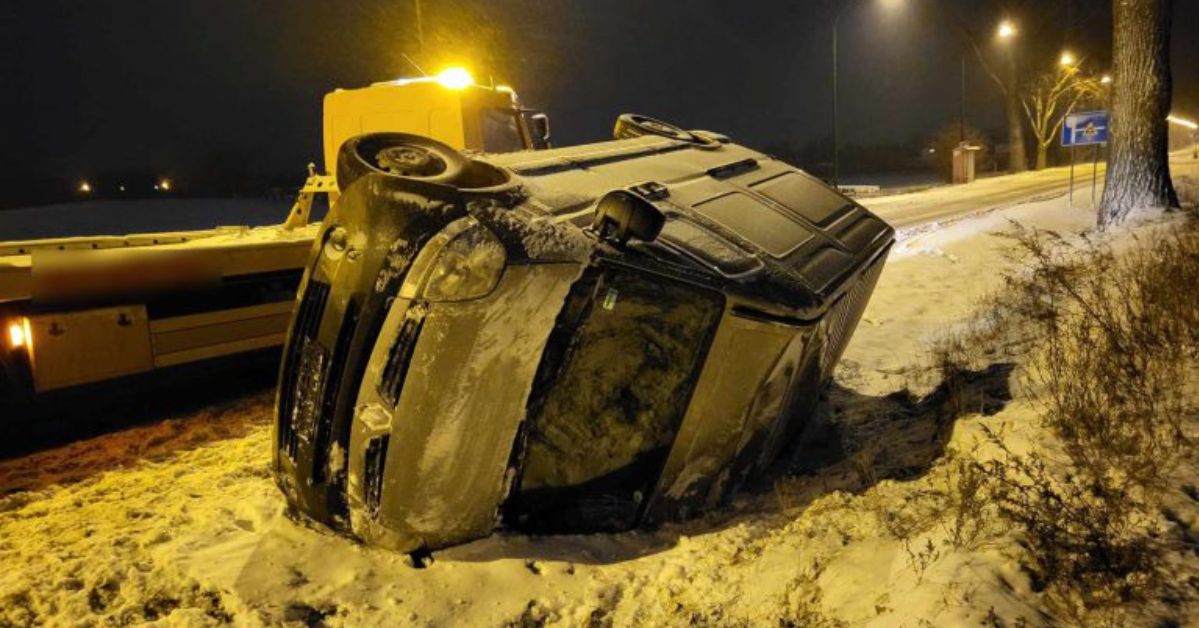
(1110, 339)
(1118, 335)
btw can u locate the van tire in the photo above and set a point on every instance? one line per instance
(630, 125)
(402, 155)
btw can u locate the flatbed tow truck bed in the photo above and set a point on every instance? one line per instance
(82, 310)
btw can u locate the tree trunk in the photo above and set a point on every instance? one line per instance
(1138, 173)
(1018, 158)
(1042, 156)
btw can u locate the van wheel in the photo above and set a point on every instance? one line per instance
(401, 155)
(630, 125)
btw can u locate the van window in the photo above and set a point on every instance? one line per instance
(764, 226)
(707, 247)
(612, 396)
(810, 199)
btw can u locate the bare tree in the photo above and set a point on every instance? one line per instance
(1023, 30)
(1047, 100)
(1008, 86)
(1138, 172)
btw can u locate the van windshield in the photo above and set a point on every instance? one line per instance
(501, 132)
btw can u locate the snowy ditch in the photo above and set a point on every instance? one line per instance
(181, 523)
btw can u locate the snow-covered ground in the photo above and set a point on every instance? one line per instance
(180, 522)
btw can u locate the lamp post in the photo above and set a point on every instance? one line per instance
(962, 112)
(836, 129)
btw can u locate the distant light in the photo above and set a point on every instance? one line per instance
(1067, 59)
(19, 334)
(1190, 124)
(85, 187)
(1106, 80)
(455, 78)
(1007, 30)
(164, 185)
(122, 188)
(932, 151)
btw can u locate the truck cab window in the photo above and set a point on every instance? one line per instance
(501, 133)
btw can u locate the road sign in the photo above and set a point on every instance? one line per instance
(1087, 128)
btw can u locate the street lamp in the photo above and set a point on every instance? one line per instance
(1007, 29)
(1067, 60)
(836, 130)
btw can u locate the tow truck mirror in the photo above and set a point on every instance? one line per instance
(540, 127)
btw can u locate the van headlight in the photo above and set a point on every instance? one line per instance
(462, 262)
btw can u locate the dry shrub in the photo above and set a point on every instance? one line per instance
(1113, 338)
(1117, 336)
(1088, 543)
(802, 603)
(968, 503)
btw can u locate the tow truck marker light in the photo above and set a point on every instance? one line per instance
(455, 78)
(18, 333)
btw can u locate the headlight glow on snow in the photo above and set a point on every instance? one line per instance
(461, 263)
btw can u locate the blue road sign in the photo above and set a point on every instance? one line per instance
(1086, 128)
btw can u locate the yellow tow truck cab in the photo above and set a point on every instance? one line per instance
(83, 310)
(484, 119)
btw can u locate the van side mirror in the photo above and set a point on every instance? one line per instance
(540, 128)
(621, 215)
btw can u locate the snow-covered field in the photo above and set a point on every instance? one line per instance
(179, 522)
(115, 217)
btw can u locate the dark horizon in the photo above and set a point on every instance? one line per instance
(164, 89)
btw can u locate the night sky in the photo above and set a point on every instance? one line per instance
(157, 85)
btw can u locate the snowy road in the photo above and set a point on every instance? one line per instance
(948, 202)
(944, 203)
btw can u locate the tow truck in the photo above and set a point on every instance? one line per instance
(89, 310)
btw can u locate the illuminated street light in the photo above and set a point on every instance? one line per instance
(890, 4)
(1067, 59)
(1106, 80)
(1007, 29)
(164, 185)
(455, 78)
(85, 187)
